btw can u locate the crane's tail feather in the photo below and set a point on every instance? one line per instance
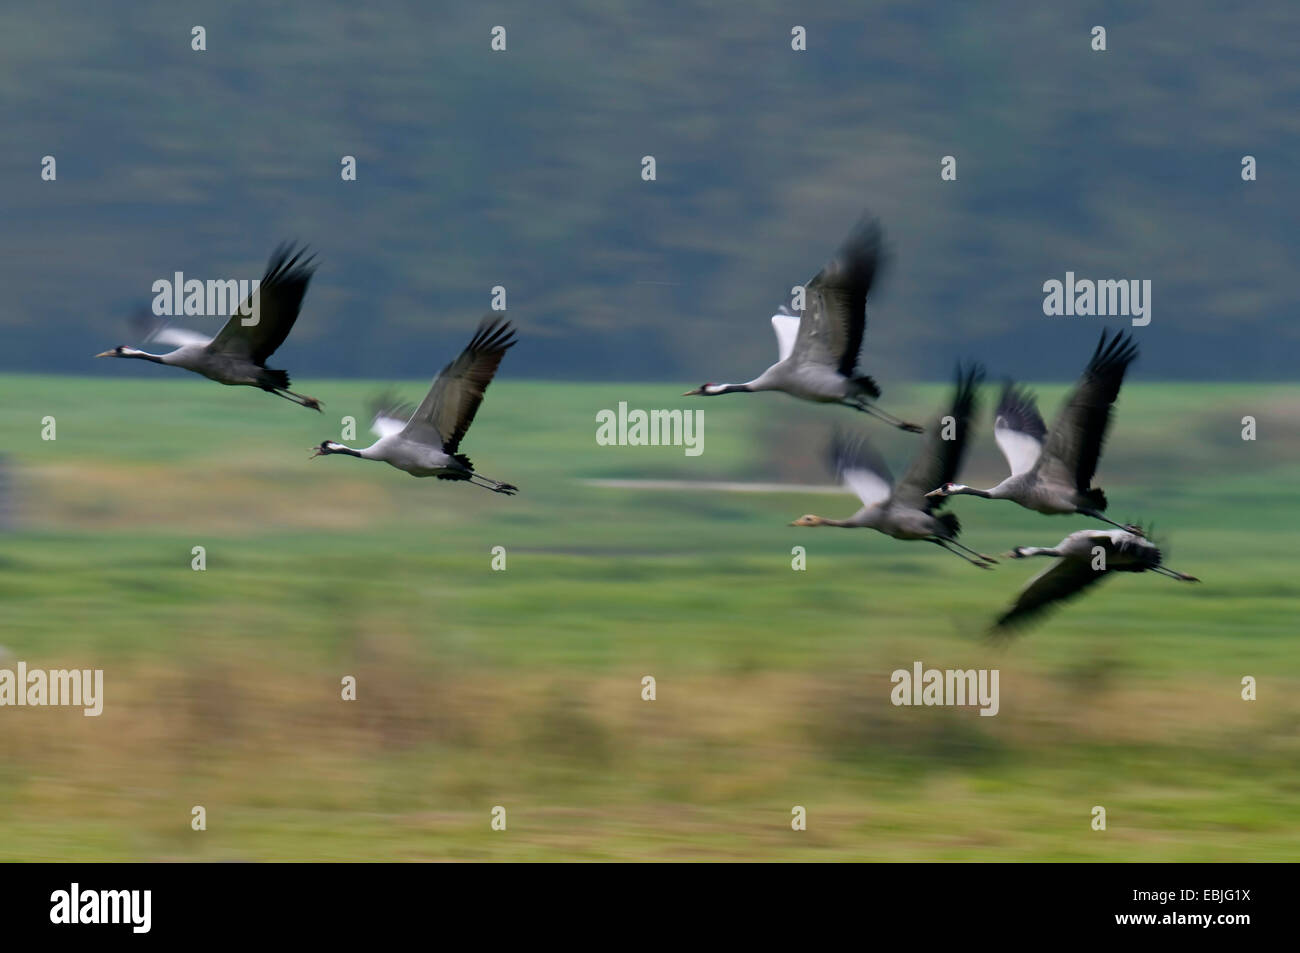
(1095, 498)
(273, 379)
(868, 385)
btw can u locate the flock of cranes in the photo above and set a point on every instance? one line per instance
(1051, 471)
(424, 442)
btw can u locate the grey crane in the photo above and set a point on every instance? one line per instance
(427, 442)
(238, 353)
(1084, 559)
(902, 510)
(818, 353)
(1052, 472)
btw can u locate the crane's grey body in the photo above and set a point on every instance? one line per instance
(1032, 493)
(426, 442)
(1051, 472)
(818, 352)
(415, 457)
(902, 510)
(899, 520)
(1083, 559)
(217, 366)
(815, 382)
(238, 353)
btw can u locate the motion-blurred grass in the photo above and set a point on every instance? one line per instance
(522, 688)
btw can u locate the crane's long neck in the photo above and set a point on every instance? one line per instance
(1039, 551)
(863, 518)
(146, 356)
(717, 389)
(962, 490)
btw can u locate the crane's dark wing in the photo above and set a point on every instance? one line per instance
(939, 460)
(1075, 440)
(835, 301)
(1018, 428)
(278, 300)
(1065, 580)
(449, 408)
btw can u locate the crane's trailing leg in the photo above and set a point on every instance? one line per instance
(974, 562)
(508, 489)
(1136, 530)
(1173, 574)
(986, 558)
(867, 408)
(302, 400)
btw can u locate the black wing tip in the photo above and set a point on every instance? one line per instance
(1016, 620)
(1005, 628)
(868, 228)
(287, 263)
(494, 333)
(865, 242)
(1114, 354)
(969, 375)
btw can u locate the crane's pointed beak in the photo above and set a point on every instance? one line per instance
(106, 354)
(935, 494)
(694, 393)
(316, 452)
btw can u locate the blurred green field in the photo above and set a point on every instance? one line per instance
(522, 688)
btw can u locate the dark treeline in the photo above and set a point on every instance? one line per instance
(523, 169)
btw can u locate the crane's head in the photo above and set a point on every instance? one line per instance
(327, 447)
(809, 520)
(707, 390)
(946, 490)
(1017, 553)
(121, 351)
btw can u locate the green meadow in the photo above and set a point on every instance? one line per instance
(522, 688)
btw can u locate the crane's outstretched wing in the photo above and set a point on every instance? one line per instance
(1018, 429)
(449, 408)
(389, 415)
(938, 461)
(153, 329)
(1075, 440)
(278, 300)
(861, 468)
(1055, 584)
(786, 326)
(835, 301)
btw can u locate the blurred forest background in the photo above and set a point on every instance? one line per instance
(522, 169)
